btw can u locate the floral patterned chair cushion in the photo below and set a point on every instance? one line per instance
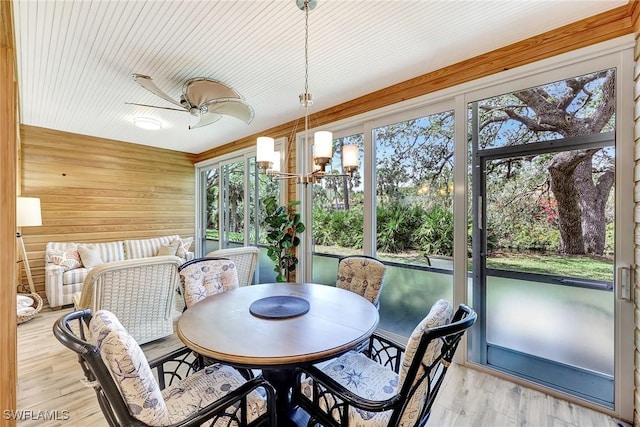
(146, 402)
(203, 277)
(205, 386)
(370, 380)
(102, 323)
(129, 369)
(361, 275)
(363, 377)
(440, 314)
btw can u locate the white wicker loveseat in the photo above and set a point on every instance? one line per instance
(65, 271)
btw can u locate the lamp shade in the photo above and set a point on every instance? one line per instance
(349, 156)
(28, 212)
(275, 162)
(265, 149)
(323, 145)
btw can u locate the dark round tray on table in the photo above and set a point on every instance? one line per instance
(279, 307)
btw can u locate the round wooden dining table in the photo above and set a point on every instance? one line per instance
(228, 327)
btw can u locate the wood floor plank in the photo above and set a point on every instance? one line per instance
(49, 379)
(506, 398)
(533, 409)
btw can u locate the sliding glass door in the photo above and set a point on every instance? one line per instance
(230, 211)
(544, 230)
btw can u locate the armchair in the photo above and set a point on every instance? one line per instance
(140, 292)
(388, 384)
(132, 391)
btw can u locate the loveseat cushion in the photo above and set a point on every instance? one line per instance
(142, 248)
(183, 247)
(109, 251)
(68, 259)
(74, 276)
(90, 255)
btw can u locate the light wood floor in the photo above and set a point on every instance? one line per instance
(49, 379)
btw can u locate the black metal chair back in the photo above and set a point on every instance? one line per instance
(167, 369)
(331, 399)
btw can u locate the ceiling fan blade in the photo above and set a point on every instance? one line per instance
(201, 90)
(147, 83)
(231, 107)
(155, 106)
(206, 119)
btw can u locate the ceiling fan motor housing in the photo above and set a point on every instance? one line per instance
(202, 97)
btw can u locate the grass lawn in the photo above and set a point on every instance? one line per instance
(562, 265)
(599, 268)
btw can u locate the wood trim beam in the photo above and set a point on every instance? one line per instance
(634, 13)
(8, 162)
(6, 25)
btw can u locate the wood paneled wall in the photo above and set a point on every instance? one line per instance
(95, 190)
(8, 161)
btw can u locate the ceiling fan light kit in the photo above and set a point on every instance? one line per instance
(147, 123)
(201, 97)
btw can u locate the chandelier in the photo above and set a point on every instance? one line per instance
(269, 160)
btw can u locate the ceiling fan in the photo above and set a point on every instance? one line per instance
(201, 97)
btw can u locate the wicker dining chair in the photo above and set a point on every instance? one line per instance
(363, 275)
(388, 384)
(132, 391)
(245, 258)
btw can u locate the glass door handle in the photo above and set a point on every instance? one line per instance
(623, 287)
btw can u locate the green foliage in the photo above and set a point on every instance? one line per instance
(435, 234)
(338, 227)
(396, 227)
(610, 239)
(233, 236)
(588, 267)
(399, 227)
(282, 226)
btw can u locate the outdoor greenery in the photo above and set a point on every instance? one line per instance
(578, 266)
(554, 205)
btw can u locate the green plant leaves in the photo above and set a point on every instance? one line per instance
(283, 224)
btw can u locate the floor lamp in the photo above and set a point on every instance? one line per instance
(27, 215)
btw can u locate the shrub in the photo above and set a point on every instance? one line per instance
(435, 234)
(339, 227)
(396, 227)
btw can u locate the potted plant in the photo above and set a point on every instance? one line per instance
(283, 224)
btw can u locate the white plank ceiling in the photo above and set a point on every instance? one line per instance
(75, 58)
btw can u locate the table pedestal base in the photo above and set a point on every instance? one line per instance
(281, 380)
